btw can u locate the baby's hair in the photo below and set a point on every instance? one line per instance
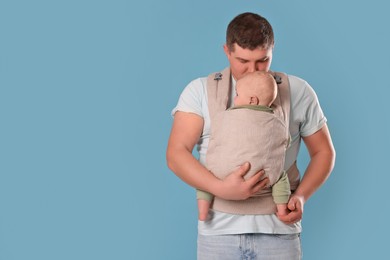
(260, 84)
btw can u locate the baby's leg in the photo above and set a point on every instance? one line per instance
(203, 209)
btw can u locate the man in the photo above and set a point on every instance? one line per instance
(249, 47)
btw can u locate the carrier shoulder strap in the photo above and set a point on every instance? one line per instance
(283, 98)
(218, 91)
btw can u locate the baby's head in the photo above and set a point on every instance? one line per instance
(256, 88)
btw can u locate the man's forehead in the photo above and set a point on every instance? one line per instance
(257, 53)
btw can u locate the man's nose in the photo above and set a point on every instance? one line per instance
(252, 67)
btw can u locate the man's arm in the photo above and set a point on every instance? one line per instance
(322, 158)
(185, 133)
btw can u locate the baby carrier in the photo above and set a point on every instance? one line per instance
(218, 92)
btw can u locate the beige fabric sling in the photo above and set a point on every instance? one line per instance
(262, 144)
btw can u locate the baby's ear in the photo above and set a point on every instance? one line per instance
(254, 101)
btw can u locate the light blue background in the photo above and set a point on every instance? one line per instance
(86, 89)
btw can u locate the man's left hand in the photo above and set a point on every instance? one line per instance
(295, 206)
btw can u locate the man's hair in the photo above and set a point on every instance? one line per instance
(249, 31)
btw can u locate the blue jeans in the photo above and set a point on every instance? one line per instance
(250, 247)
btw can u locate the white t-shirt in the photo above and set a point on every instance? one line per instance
(306, 118)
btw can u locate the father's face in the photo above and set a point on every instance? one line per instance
(243, 61)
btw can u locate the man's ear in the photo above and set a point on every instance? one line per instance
(253, 101)
(226, 50)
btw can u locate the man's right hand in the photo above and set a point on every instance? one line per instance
(235, 187)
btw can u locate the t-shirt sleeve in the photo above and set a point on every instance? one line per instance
(190, 99)
(314, 118)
